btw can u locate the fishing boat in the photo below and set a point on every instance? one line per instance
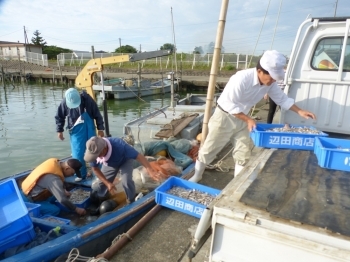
(91, 235)
(120, 88)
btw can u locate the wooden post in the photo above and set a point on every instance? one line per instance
(3, 76)
(139, 79)
(59, 68)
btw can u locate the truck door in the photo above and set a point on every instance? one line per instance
(318, 77)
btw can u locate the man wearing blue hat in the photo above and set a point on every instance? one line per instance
(81, 111)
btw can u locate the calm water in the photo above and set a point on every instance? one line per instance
(27, 124)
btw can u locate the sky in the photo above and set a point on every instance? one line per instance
(250, 26)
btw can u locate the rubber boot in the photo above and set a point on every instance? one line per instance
(198, 171)
(238, 169)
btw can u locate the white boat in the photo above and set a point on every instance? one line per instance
(119, 88)
(183, 119)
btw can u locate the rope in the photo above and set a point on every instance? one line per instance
(136, 94)
(219, 165)
(119, 237)
(74, 256)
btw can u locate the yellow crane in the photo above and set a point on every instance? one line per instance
(84, 79)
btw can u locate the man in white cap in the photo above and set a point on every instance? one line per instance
(115, 155)
(230, 121)
(81, 111)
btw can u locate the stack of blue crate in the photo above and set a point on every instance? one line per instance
(16, 226)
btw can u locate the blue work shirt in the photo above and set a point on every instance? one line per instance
(87, 105)
(121, 152)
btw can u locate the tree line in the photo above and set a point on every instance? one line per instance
(52, 51)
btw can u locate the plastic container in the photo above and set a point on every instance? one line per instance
(82, 204)
(17, 239)
(264, 138)
(180, 204)
(14, 217)
(333, 153)
(55, 220)
(33, 209)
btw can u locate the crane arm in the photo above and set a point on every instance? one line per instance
(85, 78)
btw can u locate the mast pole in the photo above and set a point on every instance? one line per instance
(214, 68)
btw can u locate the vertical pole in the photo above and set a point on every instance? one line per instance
(104, 103)
(120, 44)
(214, 68)
(59, 68)
(172, 105)
(139, 79)
(93, 57)
(335, 9)
(3, 76)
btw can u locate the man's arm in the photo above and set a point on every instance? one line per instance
(301, 112)
(143, 161)
(60, 118)
(55, 186)
(251, 124)
(111, 188)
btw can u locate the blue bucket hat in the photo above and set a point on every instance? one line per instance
(73, 99)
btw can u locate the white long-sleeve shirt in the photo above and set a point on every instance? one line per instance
(243, 91)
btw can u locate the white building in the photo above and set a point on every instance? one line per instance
(25, 52)
(11, 50)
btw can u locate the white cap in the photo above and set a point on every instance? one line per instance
(274, 63)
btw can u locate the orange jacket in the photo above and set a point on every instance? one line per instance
(50, 166)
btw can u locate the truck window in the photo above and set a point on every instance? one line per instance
(328, 52)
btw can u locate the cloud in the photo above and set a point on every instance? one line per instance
(80, 24)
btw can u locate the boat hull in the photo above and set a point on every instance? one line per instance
(119, 91)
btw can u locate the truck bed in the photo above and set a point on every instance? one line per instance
(292, 186)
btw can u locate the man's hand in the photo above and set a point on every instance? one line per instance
(80, 211)
(154, 174)
(111, 188)
(68, 194)
(306, 114)
(251, 124)
(266, 96)
(60, 135)
(301, 112)
(100, 133)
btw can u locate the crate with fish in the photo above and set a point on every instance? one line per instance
(80, 196)
(185, 196)
(285, 136)
(333, 153)
(33, 209)
(55, 220)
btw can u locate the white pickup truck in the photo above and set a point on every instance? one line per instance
(283, 206)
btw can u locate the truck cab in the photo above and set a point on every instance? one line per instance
(318, 73)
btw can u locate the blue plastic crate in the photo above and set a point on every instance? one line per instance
(33, 209)
(82, 204)
(17, 239)
(55, 220)
(180, 204)
(333, 153)
(264, 138)
(14, 217)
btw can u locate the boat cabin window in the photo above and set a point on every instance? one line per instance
(328, 52)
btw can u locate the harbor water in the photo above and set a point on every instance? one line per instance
(28, 130)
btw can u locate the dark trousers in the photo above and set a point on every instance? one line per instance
(272, 110)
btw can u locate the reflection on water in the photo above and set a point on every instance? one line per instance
(27, 124)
